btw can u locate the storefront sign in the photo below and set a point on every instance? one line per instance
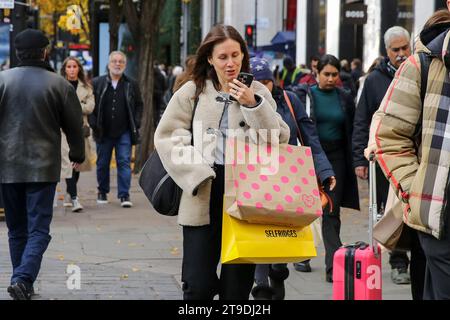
(354, 14)
(6, 4)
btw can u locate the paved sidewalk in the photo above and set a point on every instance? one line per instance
(136, 253)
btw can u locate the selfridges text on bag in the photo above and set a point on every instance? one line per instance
(271, 184)
(244, 242)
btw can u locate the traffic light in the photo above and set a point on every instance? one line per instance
(250, 34)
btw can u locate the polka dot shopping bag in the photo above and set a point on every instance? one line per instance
(268, 184)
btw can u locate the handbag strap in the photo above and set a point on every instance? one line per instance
(192, 120)
(288, 101)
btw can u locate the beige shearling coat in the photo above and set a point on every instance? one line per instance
(87, 101)
(173, 137)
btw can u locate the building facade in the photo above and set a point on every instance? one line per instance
(322, 26)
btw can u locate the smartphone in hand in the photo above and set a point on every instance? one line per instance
(245, 78)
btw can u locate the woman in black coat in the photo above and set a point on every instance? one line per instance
(333, 111)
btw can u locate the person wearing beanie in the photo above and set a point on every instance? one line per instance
(35, 104)
(270, 278)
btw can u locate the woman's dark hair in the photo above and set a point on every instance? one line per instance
(328, 59)
(81, 75)
(203, 70)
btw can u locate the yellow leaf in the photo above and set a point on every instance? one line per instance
(124, 277)
(61, 257)
(135, 269)
(175, 251)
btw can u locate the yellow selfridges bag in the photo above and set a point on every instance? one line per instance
(244, 242)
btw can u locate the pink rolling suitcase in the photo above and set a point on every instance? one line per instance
(357, 267)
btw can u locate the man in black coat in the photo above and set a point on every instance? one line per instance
(115, 121)
(376, 85)
(35, 104)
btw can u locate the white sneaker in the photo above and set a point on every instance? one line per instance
(67, 201)
(125, 202)
(76, 205)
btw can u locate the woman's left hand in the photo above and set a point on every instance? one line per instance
(333, 183)
(243, 94)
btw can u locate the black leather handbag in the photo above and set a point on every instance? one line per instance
(159, 188)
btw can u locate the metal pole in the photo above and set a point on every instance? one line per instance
(18, 24)
(256, 25)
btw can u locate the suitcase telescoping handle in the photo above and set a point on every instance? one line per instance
(373, 209)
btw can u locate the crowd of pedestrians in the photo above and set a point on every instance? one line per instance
(397, 110)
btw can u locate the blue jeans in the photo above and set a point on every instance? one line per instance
(122, 146)
(28, 212)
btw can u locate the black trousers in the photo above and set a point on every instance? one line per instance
(201, 255)
(72, 184)
(331, 221)
(437, 272)
(397, 259)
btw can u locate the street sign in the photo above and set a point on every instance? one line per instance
(6, 4)
(354, 14)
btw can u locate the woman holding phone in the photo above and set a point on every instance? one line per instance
(221, 56)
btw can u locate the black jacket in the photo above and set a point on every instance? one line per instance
(351, 194)
(35, 104)
(133, 101)
(375, 88)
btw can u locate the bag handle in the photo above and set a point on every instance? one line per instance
(373, 209)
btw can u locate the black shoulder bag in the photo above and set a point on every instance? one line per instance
(159, 188)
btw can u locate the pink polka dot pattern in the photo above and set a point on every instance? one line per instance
(236, 184)
(239, 203)
(297, 189)
(247, 148)
(281, 159)
(269, 149)
(243, 176)
(268, 197)
(280, 208)
(308, 152)
(285, 180)
(293, 169)
(255, 186)
(305, 181)
(272, 169)
(276, 188)
(289, 149)
(289, 199)
(312, 173)
(251, 168)
(247, 195)
(263, 178)
(316, 192)
(258, 160)
(300, 210)
(319, 213)
(259, 205)
(300, 161)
